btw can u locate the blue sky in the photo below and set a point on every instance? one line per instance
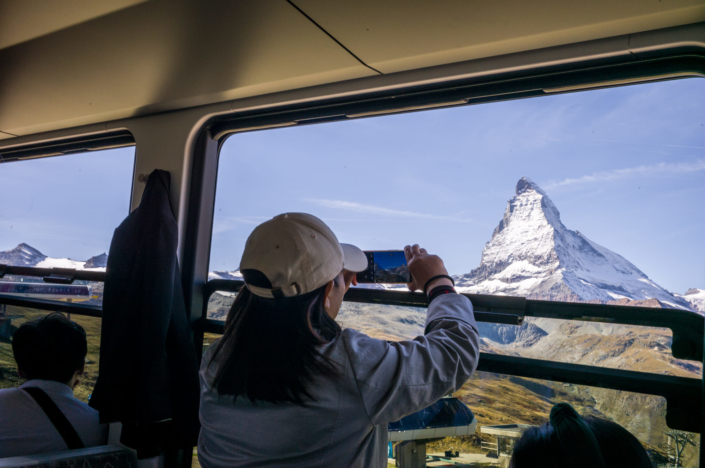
(625, 166)
(66, 206)
(389, 260)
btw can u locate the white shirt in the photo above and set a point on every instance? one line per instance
(25, 429)
(380, 382)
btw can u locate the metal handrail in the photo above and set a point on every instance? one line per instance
(53, 275)
(683, 395)
(81, 275)
(57, 306)
(687, 327)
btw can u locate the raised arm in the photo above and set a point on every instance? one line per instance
(399, 378)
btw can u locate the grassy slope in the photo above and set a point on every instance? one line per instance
(515, 400)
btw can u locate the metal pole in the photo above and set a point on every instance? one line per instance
(702, 415)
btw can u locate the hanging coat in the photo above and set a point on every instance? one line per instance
(148, 377)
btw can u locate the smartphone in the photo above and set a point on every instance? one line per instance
(385, 266)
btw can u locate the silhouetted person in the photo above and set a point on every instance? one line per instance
(569, 441)
(51, 355)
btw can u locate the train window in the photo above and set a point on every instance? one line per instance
(59, 212)
(590, 197)
(498, 400)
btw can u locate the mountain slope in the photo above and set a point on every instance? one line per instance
(26, 255)
(98, 261)
(696, 298)
(533, 254)
(22, 255)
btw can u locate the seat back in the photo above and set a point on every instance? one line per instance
(96, 457)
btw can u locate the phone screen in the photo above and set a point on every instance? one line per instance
(388, 266)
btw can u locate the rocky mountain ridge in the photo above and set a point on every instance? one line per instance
(26, 255)
(22, 255)
(696, 298)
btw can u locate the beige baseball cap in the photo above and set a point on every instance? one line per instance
(298, 253)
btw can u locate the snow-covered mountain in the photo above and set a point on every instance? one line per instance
(696, 298)
(226, 275)
(22, 255)
(533, 254)
(98, 261)
(26, 255)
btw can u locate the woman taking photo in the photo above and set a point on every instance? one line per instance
(286, 387)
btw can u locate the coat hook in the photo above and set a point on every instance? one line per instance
(142, 178)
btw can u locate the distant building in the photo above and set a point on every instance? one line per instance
(507, 435)
(448, 417)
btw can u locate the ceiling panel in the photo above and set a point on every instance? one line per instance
(23, 20)
(163, 55)
(393, 36)
(160, 55)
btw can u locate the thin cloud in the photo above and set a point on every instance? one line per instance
(649, 144)
(223, 224)
(656, 169)
(378, 210)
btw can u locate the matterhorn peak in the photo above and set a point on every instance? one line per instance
(532, 206)
(525, 184)
(533, 254)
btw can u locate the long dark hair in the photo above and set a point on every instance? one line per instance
(569, 441)
(271, 347)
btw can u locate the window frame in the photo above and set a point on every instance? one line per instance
(682, 394)
(46, 149)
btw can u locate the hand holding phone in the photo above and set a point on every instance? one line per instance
(423, 267)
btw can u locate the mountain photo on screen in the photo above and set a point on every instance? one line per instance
(391, 267)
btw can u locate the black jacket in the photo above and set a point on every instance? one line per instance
(148, 377)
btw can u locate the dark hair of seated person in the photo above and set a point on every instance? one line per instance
(50, 348)
(270, 348)
(570, 441)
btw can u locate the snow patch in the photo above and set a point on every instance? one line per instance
(695, 298)
(60, 263)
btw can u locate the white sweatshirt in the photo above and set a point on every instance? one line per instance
(380, 382)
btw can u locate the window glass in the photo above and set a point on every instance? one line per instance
(497, 399)
(592, 197)
(588, 197)
(59, 212)
(643, 349)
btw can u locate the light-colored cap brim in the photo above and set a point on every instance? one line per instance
(354, 259)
